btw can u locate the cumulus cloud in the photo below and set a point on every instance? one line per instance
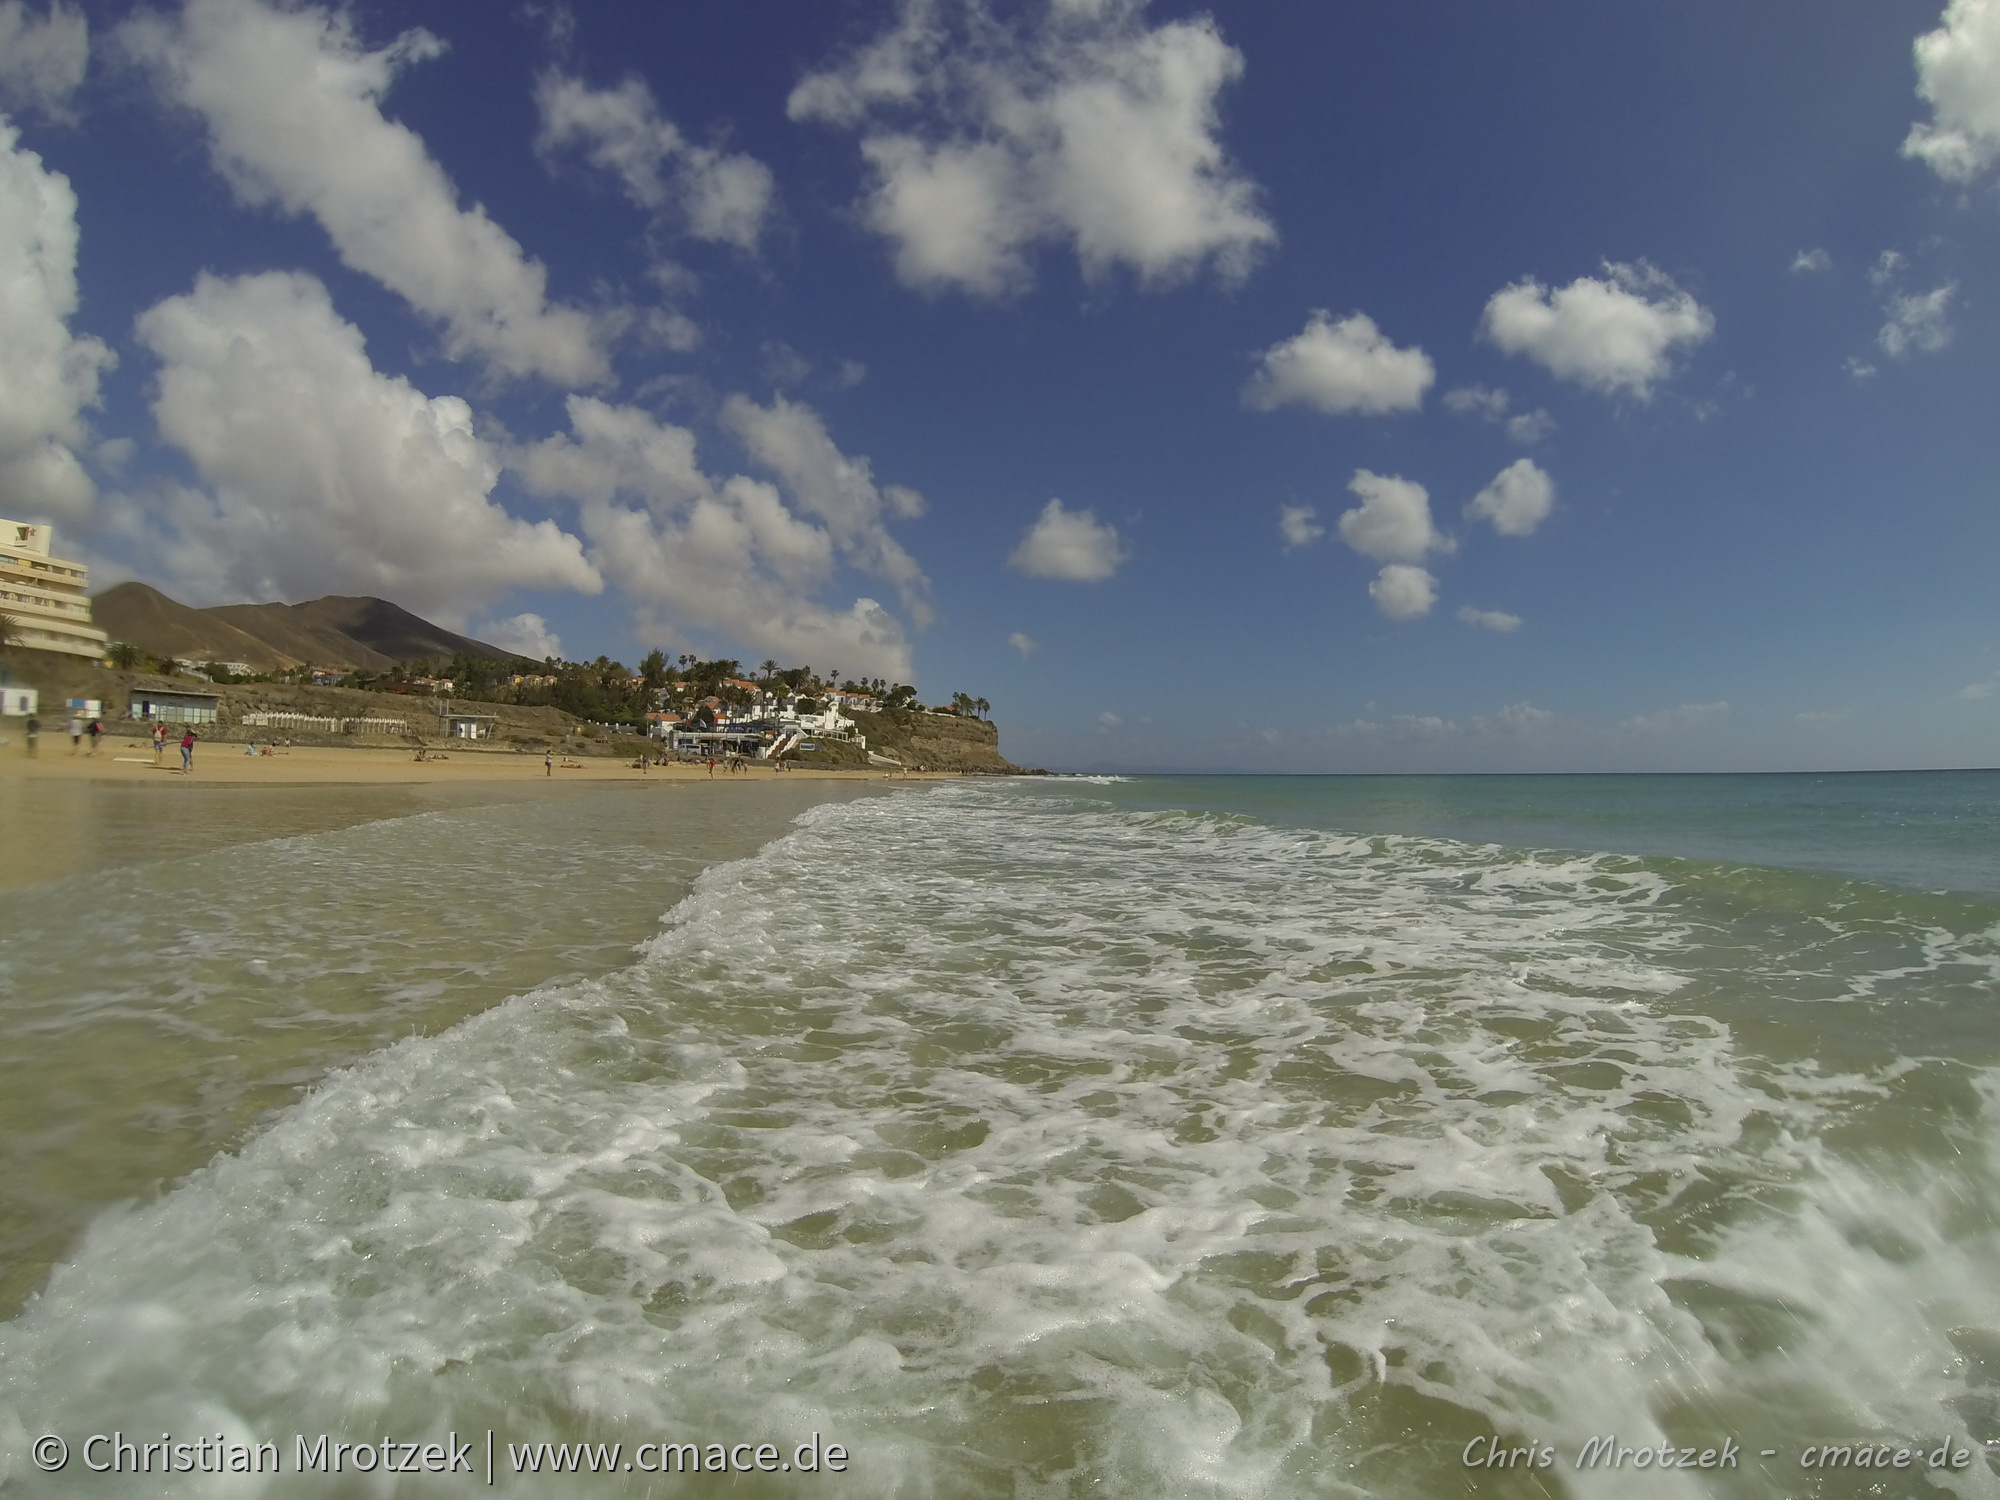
(1022, 642)
(1403, 592)
(1084, 127)
(1072, 545)
(48, 374)
(1610, 334)
(790, 440)
(1531, 427)
(729, 554)
(1478, 401)
(42, 58)
(1393, 521)
(1517, 501)
(293, 106)
(1492, 405)
(1496, 620)
(1917, 322)
(1806, 262)
(716, 195)
(1299, 525)
(524, 634)
(1340, 368)
(1958, 75)
(323, 474)
(1859, 370)
(1686, 716)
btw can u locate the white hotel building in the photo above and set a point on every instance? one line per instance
(47, 598)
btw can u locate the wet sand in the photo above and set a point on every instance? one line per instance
(137, 1039)
(64, 814)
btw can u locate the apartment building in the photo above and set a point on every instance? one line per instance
(47, 598)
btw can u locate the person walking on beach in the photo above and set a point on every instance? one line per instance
(187, 753)
(34, 731)
(548, 763)
(96, 734)
(75, 733)
(159, 740)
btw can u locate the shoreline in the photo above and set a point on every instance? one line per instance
(121, 760)
(495, 888)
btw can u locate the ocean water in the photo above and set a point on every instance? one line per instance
(1158, 1137)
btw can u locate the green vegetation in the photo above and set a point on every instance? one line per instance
(603, 691)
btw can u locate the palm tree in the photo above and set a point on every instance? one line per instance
(767, 667)
(10, 632)
(123, 655)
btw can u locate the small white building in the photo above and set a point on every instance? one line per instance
(457, 726)
(18, 703)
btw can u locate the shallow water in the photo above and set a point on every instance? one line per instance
(1027, 1140)
(224, 949)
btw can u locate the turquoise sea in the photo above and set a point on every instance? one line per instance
(1161, 1136)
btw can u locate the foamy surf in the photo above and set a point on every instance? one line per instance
(1024, 1145)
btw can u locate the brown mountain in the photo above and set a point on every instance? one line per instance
(165, 627)
(357, 634)
(282, 628)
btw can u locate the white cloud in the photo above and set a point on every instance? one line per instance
(1072, 545)
(1809, 261)
(1108, 721)
(729, 555)
(1888, 266)
(1022, 642)
(1299, 525)
(1087, 127)
(42, 58)
(1687, 716)
(1520, 718)
(1972, 692)
(1393, 521)
(524, 634)
(1341, 368)
(1526, 428)
(1402, 592)
(1610, 335)
(292, 103)
(1531, 427)
(1917, 321)
(1517, 501)
(1858, 369)
(1958, 75)
(790, 440)
(1478, 401)
(325, 475)
(721, 196)
(1496, 620)
(48, 375)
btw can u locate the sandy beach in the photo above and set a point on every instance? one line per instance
(123, 760)
(71, 814)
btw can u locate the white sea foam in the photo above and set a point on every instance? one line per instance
(1030, 1147)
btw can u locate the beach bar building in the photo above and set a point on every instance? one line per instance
(462, 726)
(175, 705)
(47, 598)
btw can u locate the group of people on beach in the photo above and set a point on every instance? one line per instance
(187, 746)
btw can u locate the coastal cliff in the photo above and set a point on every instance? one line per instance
(937, 742)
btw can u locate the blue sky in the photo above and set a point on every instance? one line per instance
(1317, 388)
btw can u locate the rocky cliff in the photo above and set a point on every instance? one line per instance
(936, 742)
